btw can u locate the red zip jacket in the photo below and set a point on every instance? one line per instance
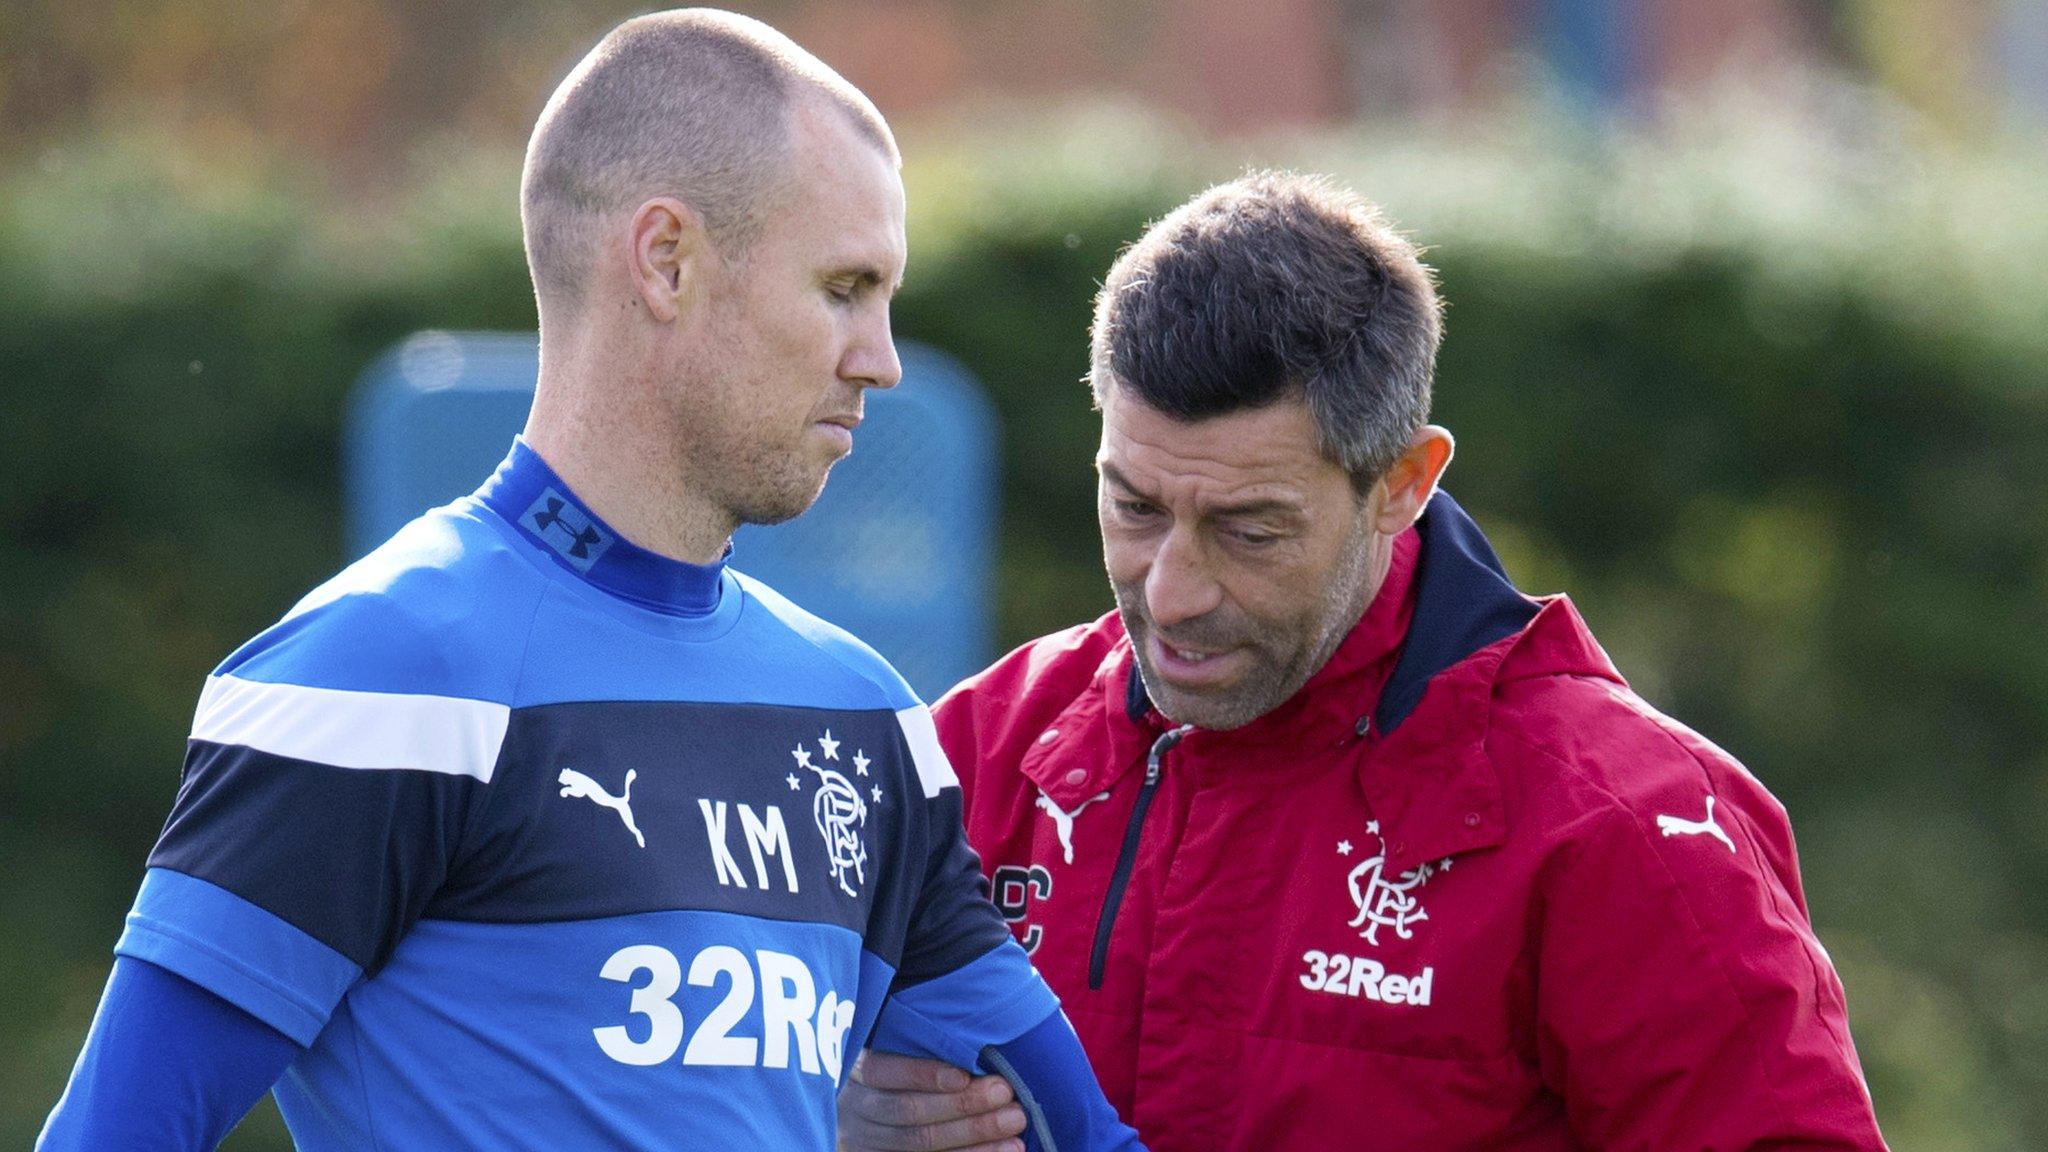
(1465, 890)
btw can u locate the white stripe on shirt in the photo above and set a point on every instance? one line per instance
(934, 771)
(369, 730)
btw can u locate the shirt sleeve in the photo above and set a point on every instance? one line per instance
(167, 1067)
(321, 805)
(963, 983)
(1064, 1108)
(1685, 1001)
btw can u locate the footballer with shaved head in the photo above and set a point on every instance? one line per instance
(540, 827)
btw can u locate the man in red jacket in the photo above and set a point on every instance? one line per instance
(1329, 837)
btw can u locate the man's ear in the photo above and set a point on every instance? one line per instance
(1406, 487)
(669, 256)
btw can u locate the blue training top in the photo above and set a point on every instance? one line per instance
(538, 840)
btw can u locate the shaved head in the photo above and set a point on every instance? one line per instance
(694, 104)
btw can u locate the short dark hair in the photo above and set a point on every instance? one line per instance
(1274, 286)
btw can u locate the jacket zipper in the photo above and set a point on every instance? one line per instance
(1127, 856)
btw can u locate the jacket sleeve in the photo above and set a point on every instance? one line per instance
(1683, 998)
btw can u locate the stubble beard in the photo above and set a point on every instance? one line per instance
(768, 487)
(751, 480)
(780, 506)
(766, 483)
(1279, 669)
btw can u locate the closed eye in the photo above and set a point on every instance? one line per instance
(849, 284)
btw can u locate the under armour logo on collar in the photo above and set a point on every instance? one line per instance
(563, 526)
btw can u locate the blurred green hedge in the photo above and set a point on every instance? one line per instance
(1776, 416)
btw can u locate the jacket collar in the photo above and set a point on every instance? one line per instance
(1416, 677)
(1425, 771)
(1463, 603)
(1431, 783)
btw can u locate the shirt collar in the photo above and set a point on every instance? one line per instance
(527, 494)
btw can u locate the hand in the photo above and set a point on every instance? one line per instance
(897, 1103)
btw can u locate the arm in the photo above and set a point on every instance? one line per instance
(1041, 1089)
(1064, 1106)
(966, 993)
(1683, 1000)
(284, 872)
(167, 1067)
(896, 1103)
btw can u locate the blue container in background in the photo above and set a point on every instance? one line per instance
(899, 550)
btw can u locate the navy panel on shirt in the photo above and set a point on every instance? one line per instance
(948, 928)
(245, 819)
(622, 807)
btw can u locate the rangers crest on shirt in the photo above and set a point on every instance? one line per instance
(839, 811)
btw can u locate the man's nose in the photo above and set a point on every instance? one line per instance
(871, 360)
(1179, 586)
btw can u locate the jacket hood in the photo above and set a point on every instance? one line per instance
(1463, 602)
